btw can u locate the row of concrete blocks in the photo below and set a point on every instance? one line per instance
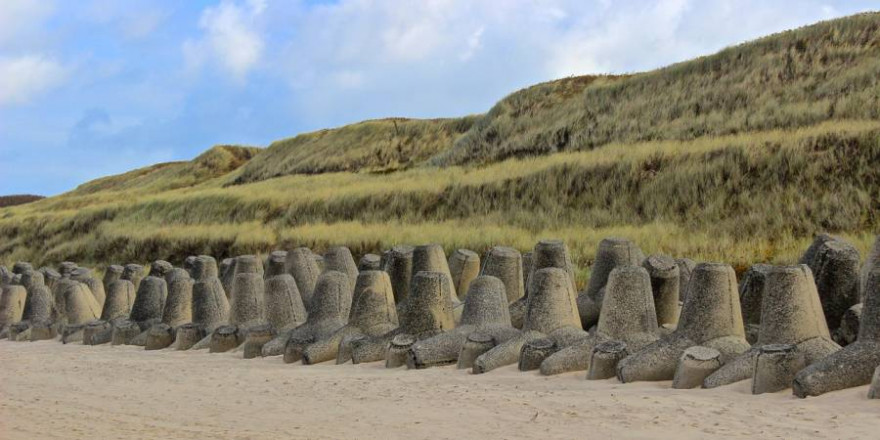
(434, 329)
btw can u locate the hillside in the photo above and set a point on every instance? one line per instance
(216, 162)
(827, 71)
(745, 176)
(371, 146)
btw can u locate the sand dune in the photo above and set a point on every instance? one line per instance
(50, 390)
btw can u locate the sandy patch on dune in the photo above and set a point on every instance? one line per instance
(49, 390)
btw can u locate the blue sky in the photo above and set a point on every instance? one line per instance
(90, 88)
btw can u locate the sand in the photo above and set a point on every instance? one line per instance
(49, 390)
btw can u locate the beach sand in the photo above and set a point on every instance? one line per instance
(49, 390)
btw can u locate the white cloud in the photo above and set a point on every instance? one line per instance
(142, 24)
(26, 77)
(473, 44)
(133, 19)
(349, 79)
(619, 40)
(21, 18)
(231, 38)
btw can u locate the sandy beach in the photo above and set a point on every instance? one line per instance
(50, 390)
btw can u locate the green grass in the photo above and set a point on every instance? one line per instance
(708, 186)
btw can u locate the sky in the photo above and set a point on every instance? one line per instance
(90, 88)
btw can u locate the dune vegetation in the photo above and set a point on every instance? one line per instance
(732, 157)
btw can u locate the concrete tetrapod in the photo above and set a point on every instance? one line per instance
(428, 312)
(775, 367)
(464, 265)
(505, 263)
(20, 331)
(685, 269)
(50, 277)
(528, 262)
(210, 307)
(854, 364)
(547, 253)
(711, 317)
(80, 308)
(227, 275)
(98, 332)
(871, 263)
(11, 306)
(84, 276)
(124, 332)
(874, 390)
(189, 265)
(665, 281)
(837, 278)
(810, 256)
(149, 302)
(285, 309)
(612, 252)
(177, 310)
(302, 267)
(399, 265)
(751, 294)
(791, 314)
(432, 258)
(551, 312)
(373, 313)
(485, 311)
(370, 262)
(848, 331)
(628, 315)
(159, 336)
(20, 267)
(5, 276)
(112, 274)
(332, 304)
(133, 273)
(178, 305)
(65, 268)
(256, 338)
(247, 306)
(39, 304)
(339, 259)
(695, 364)
(604, 359)
(120, 299)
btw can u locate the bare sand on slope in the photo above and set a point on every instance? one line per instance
(49, 390)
